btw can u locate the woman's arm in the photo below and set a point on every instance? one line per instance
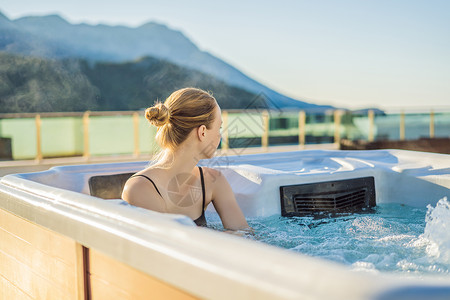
(225, 203)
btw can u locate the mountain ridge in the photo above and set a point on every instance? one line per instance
(53, 36)
(33, 84)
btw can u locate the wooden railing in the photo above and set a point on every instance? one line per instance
(265, 117)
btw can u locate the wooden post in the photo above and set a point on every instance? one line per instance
(337, 126)
(81, 272)
(301, 128)
(38, 123)
(265, 135)
(402, 125)
(86, 153)
(136, 133)
(431, 124)
(225, 145)
(371, 117)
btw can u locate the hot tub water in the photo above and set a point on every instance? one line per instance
(393, 238)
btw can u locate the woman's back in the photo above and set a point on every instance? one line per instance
(183, 194)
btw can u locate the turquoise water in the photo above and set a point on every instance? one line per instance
(394, 238)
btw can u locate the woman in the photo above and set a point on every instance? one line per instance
(188, 125)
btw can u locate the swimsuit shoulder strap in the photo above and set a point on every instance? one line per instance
(203, 189)
(141, 175)
(201, 221)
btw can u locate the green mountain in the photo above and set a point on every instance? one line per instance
(31, 84)
(53, 37)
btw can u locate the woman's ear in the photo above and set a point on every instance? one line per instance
(201, 132)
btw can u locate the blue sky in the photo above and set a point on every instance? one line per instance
(386, 53)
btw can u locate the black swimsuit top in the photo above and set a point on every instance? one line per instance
(200, 221)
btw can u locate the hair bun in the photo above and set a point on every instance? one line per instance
(158, 114)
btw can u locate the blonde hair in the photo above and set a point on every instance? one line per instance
(183, 110)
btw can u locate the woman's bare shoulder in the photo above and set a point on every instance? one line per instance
(139, 191)
(213, 175)
(135, 183)
(140, 180)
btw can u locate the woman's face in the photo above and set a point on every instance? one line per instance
(213, 137)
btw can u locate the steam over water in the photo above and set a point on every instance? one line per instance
(394, 238)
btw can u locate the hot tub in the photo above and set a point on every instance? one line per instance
(60, 242)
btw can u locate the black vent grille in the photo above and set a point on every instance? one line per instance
(342, 196)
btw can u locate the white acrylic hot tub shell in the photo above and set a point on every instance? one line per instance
(234, 268)
(413, 178)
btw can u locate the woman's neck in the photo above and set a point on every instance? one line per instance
(182, 160)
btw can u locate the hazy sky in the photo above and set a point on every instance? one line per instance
(348, 53)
